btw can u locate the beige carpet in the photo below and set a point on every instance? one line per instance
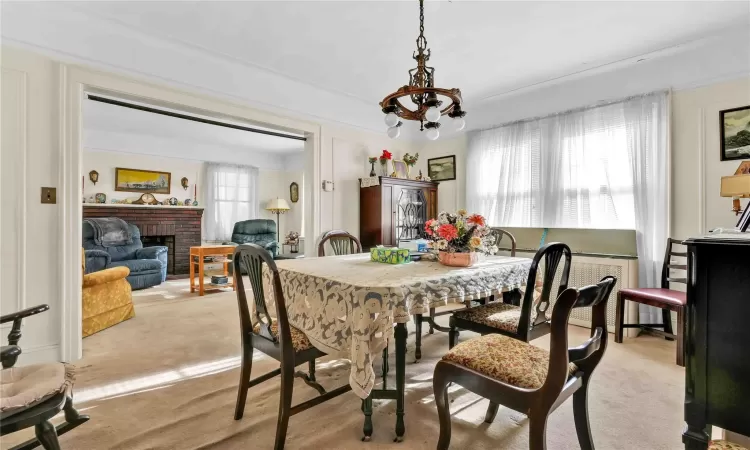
(167, 379)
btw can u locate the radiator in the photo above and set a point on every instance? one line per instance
(586, 270)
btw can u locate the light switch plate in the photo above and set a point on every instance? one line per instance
(328, 186)
(49, 195)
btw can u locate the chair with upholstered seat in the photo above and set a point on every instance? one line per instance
(664, 298)
(274, 337)
(526, 321)
(526, 378)
(30, 396)
(342, 242)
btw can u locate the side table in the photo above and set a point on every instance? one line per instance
(197, 256)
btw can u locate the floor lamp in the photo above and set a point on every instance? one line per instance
(278, 206)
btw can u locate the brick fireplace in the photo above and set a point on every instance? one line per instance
(178, 228)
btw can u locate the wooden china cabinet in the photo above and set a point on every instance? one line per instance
(395, 211)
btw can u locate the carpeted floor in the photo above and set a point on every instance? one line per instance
(167, 379)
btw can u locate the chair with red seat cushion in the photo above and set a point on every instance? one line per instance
(665, 298)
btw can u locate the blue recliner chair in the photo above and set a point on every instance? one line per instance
(257, 231)
(148, 266)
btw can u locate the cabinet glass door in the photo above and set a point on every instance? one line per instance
(411, 214)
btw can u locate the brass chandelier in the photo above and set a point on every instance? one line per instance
(424, 95)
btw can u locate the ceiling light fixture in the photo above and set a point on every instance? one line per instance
(424, 95)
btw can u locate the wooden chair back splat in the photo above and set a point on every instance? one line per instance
(342, 242)
(274, 337)
(515, 320)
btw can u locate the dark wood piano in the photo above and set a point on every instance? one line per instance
(717, 339)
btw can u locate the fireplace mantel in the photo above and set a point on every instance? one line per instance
(182, 222)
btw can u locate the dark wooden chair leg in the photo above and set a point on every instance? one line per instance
(432, 320)
(452, 337)
(418, 335)
(538, 431)
(311, 366)
(247, 366)
(619, 318)
(681, 337)
(581, 416)
(491, 412)
(666, 316)
(285, 406)
(440, 389)
(47, 435)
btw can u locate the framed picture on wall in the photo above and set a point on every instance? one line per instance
(735, 133)
(144, 181)
(442, 169)
(400, 170)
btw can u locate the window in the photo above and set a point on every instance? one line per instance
(573, 170)
(231, 196)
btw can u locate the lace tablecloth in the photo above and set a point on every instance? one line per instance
(347, 305)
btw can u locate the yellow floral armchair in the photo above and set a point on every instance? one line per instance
(107, 298)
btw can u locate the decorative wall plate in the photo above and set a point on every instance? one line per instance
(294, 192)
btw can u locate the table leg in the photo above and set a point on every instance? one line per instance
(400, 335)
(512, 297)
(192, 274)
(418, 337)
(201, 290)
(367, 410)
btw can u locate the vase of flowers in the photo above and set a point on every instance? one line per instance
(384, 158)
(410, 161)
(373, 160)
(459, 238)
(292, 240)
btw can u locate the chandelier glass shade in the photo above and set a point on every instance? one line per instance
(420, 100)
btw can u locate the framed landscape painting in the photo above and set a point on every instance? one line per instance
(442, 169)
(735, 133)
(143, 181)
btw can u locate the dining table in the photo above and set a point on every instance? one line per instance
(352, 307)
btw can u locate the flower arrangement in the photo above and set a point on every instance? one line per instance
(385, 157)
(292, 238)
(411, 160)
(459, 233)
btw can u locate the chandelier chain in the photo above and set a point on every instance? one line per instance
(421, 40)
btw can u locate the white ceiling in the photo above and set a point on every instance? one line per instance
(104, 117)
(363, 49)
(334, 61)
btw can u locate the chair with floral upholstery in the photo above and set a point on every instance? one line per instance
(526, 378)
(106, 298)
(526, 321)
(30, 396)
(274, 337)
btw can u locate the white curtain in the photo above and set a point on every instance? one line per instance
(599, 167)
(231, 195)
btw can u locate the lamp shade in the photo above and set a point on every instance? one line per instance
(278, 204)
(735, 186)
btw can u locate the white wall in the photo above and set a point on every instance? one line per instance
(30, 253)
(106, 162)
(696, 166)
(451, 194)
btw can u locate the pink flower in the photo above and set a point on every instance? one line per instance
(428, 226)
(447, 232)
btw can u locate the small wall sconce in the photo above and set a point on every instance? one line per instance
(184, 183)
(94, 176)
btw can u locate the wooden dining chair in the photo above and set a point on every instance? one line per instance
(274, 337)
(664, 298)
(419, 319)
(526, 378)
(526, 321)
(499, 234)
(32, 395)
(342, 242)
